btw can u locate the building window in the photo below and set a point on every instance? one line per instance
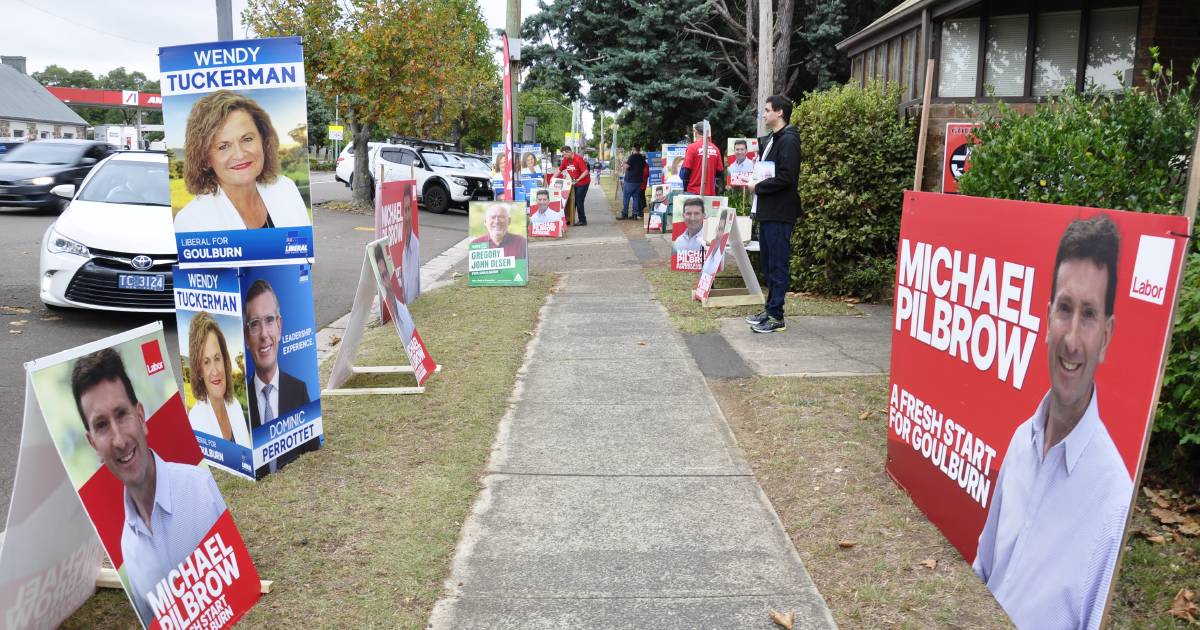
(908, 59)
(958, 66)
(1112, 36)
(18, 133)
(1056, 57)
(68, 135)
(1007, 43)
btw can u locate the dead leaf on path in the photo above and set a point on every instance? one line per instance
(13, 310)
(51, 318)
(864, 415)
(456, 275)
(1167, 517)
(929, 563)
(1190, 528)
(641, 343)
(334, 340)
(847, 544)
(1156, 539)
(783, 620)
(18, 322)
(1184, 605)
(13, 332)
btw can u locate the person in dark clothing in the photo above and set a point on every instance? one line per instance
(635, 168)
(776, 208)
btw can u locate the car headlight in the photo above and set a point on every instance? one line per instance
(460, 181)
(60, 244)
(45, 180)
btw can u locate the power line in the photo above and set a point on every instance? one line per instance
(86, 26)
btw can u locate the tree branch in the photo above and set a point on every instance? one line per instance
(733, 65)
(714, 36)
(723, 11)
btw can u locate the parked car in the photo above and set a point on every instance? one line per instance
(113, 246)
(29, 171)
(444, 180)
(343, 170)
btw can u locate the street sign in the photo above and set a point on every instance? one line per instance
(335, 132)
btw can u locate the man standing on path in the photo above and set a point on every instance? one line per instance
(694, 162)
(576, 170)
(635, 168)
(777, 206)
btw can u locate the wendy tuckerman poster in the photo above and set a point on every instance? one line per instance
(235, 120)
(118, 424)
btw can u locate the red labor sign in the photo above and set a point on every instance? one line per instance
(958, 154)
(1027, 347)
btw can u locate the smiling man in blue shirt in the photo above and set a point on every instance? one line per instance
(169, 507)
(1054, 527)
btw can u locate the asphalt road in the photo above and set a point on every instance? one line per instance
(340, 239)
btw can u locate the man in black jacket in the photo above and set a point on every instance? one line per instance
(776, 208)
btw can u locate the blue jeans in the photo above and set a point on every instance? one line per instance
(580, 195)
(775, 255)
(633, 192)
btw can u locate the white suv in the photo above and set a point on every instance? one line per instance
(443, 179)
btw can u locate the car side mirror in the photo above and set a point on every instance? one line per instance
(66, 191)
(87, 161)
(418, 164)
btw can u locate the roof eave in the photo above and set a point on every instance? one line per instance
(883, 23)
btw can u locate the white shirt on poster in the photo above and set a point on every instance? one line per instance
(216, 212)
(690, 242)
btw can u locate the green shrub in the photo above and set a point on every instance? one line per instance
(320, 165)
(856, 161)
(1126, 151)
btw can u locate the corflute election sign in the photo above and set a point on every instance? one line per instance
(235, 121)
(117, 420)
(498, 251)
(1027, 342)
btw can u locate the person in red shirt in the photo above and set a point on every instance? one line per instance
(693, 163)
(576, 168)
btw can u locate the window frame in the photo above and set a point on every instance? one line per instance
(985, 12)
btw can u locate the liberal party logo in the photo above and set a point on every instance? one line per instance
(1151, 269)
(295, 244)
(153, 357)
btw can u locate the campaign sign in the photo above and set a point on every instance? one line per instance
(546, 217)
(688, 213)
(714, 255)
(741, 155)
(659, 210)
(117, 422)
(672, 162)
(235, 121)
(281, 367)
(763, 169)
(396, 219)
(958, 154)
(531, 173)
(498, 250)
(654, 159)
(388, 284)
(212, 352)
(1025, 365)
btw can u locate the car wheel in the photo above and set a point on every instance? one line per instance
(437, 199)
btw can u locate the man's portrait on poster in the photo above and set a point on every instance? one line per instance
(1054, 527)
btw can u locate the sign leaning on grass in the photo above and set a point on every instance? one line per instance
(235, 120)
(497, 253)
(1026, 353)
(121, 438)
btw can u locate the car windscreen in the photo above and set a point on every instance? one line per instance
(442, 159)
(44, 153)
(129, 181)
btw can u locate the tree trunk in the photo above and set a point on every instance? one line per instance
(751, 52)
(364, 180)
(782, 44)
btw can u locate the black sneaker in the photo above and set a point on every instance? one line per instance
(769, 326)
(579, 223)
(757, 318)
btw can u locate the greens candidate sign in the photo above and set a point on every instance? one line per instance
(497, 255)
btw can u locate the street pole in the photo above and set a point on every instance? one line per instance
(224, 20)
(337, 144)
(513, 28)
(766, 73)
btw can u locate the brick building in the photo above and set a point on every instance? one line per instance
(1016, 51)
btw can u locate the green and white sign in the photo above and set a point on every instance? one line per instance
(498, 252)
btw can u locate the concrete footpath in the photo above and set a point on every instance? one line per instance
(615, 496)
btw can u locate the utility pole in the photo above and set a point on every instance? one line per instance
(513, 28)
(766, 72)
(224, 20)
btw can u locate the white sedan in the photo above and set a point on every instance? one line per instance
(113, 247)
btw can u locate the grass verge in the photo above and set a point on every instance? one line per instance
(362, 532)
(674, 291)
(821, 464)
